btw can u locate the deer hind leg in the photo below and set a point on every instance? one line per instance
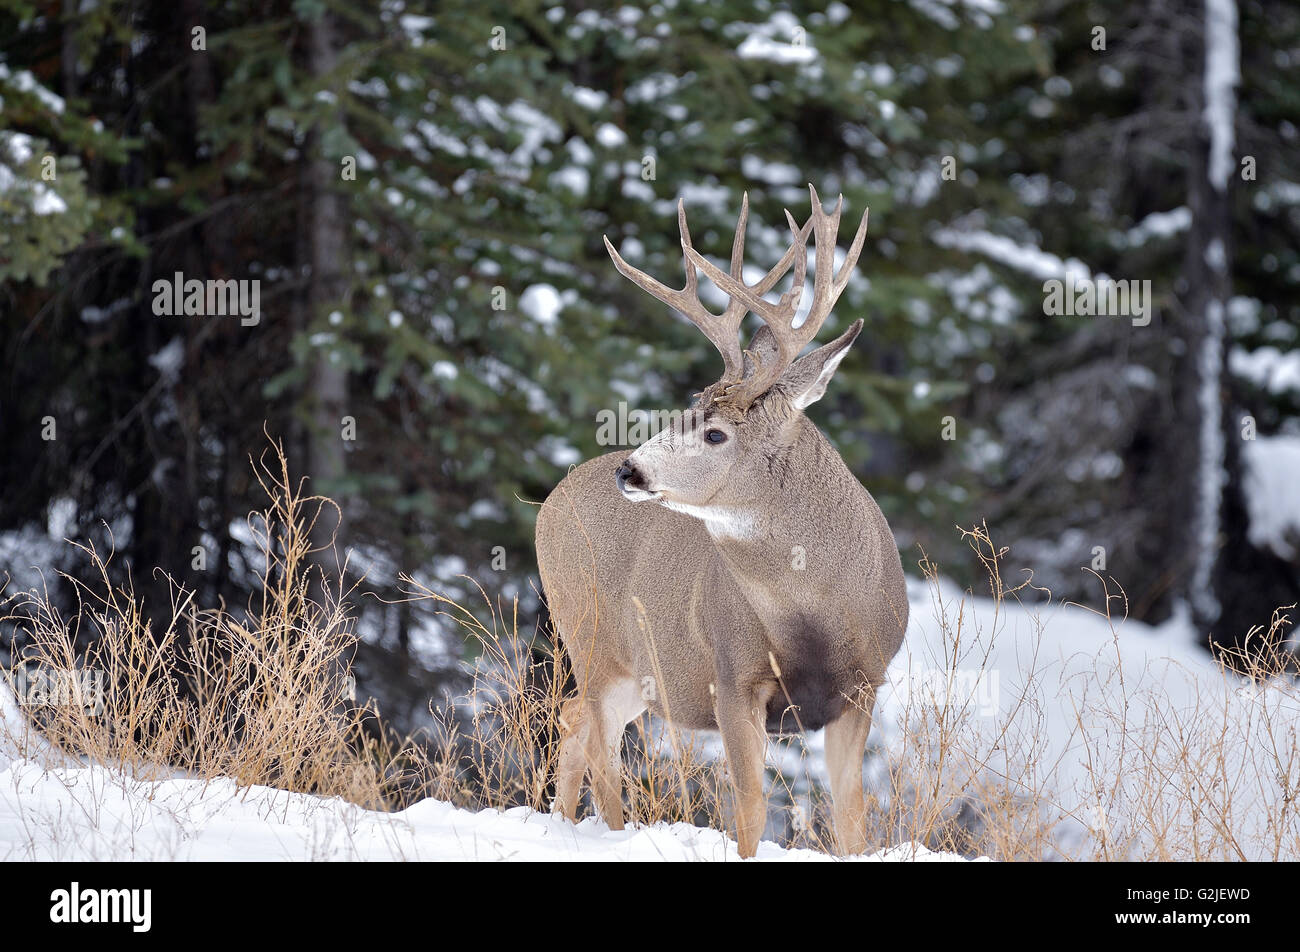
(593, 745)
(846, 742)
(572, 761)
(620, 704)
(742, 719)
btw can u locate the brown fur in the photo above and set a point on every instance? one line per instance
(714, 609)
(747, 583)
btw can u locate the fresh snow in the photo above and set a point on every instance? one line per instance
(1268, 368)
(1029, 259)
(98, 814)
(610, 136)
(52, 809)
(24, 80)
(1159, 225)
(169, 360)
(587, 98)
(45, 201)
(1272, 493)
(1213, 475)
(763, 48)
(1222, 73)
(17, 149)
(1094, 691)
(940, 11)
(542, 303)
(780, 40)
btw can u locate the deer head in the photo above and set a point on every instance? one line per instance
(726, 447)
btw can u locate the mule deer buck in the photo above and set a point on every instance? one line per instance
(731, 573)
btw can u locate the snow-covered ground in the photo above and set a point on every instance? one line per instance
(1060, 689)
(75, 812)
(95, 814)
(53, 808)
(1123, 732)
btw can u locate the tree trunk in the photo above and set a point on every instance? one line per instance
(326, 388)
(327, 385)
(1209, 279)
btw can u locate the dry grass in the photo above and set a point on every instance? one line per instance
(1206, 772)
(262, 698)
(1166, 759)
(497, 745)
(1211, 774)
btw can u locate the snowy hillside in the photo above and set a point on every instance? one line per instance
(1069, 712)
(96, 813)
(1125, 734)
(54, 809)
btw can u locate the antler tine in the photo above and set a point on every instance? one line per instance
(828, 286)
(778, 318)
(790, 300)
(692, 278)
(738, 243)
(736, 310)
(826, 229)
(720, 330)
(740, 305)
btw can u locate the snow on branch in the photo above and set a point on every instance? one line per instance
(1222, 73)
(1029, 259)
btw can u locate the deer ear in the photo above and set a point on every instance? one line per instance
(805, 382)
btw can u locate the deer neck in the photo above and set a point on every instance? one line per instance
(797, 534)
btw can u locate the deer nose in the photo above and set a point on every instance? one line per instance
(625, 473)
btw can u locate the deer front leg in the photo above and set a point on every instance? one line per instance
(846, 741)
(742, 719)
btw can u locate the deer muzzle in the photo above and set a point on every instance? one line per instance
(631, 482)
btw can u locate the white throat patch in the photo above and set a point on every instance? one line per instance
(722, 523)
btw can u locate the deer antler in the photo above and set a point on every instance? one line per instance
(782, 342)
(722, 329)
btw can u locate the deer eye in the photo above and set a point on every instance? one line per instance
(715, 436)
